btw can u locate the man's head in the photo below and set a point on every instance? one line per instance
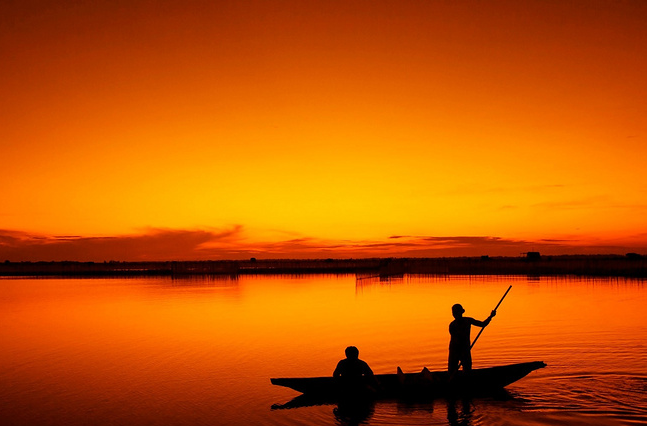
(352, 352)
(457, 311)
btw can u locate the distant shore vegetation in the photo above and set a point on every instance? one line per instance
(531, 263)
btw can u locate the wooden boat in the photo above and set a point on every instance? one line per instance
(425, 383)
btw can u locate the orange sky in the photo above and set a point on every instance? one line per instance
(228, 129)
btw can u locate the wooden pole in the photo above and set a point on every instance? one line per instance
(483, 328)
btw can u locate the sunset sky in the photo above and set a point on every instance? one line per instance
(174, 130)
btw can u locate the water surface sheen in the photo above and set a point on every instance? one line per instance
(201, 351)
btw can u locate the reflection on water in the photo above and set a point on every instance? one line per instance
(459, 413)
(352, 414)
(201, 350)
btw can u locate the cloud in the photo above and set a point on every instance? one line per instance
(155, 244)
(574, 204)
(484, 189)
(151, 244)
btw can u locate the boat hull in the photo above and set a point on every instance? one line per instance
(425, 383)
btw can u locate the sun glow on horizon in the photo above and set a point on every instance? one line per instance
(340, 124)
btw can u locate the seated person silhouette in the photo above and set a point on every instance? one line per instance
(352, 371)
(460, 342)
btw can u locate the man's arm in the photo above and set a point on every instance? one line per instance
(483, 323)
(367, 370)
(337, 371)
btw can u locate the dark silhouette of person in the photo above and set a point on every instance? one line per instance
(352, 368)
(459, 345)
(355, 379)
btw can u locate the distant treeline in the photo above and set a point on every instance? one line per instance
(534, 264)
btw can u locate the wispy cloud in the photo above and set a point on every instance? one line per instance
(484, 189)
(598, 201)
(151, 244)
(235, 243)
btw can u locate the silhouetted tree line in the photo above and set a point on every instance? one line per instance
(532, 263)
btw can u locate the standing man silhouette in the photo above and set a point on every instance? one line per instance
(460, 342)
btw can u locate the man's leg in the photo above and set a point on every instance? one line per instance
(452, 362)
(467, 361)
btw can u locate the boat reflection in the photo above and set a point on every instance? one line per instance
(348, 412)
(304, 400)
(458, 411)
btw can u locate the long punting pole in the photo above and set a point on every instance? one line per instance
(497, 307)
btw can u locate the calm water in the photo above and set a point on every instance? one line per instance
(158, 351)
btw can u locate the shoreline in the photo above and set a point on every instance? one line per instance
(631, 265)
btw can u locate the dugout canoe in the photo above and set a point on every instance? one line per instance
(424, 383)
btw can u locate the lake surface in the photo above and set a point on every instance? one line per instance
(201, 351)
